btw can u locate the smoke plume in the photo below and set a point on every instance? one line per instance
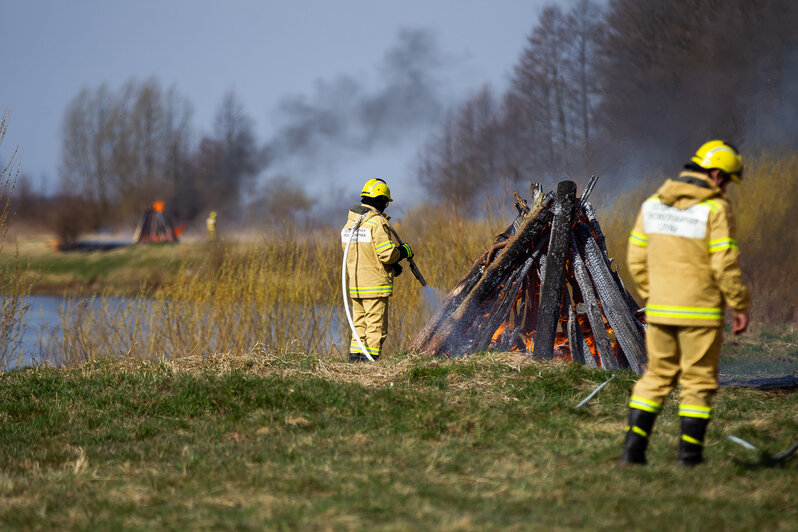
(345, 114)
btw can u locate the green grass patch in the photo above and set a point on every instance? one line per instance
(302, 442)
(122, 272)
(430, 376)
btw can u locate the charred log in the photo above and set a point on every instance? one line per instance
(598, 235)
(615, 305)
(602, 339)
(461, 290)
(551, 289)
(450, 303)
(512, 256)
(580, 351)
(499, 312)
(531, 301)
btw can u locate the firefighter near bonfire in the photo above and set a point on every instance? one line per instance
(372, 252)
(684, 259)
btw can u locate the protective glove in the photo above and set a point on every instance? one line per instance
(405, 252)
(397, 269)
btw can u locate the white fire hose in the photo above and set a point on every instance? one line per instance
(343, 289)
(594, 392)
(766, 457)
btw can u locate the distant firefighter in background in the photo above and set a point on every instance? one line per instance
(210, 224)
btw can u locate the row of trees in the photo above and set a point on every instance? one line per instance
(123, 149)
(617, 90)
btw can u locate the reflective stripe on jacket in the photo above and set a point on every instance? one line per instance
(683, 256)
(372, 250)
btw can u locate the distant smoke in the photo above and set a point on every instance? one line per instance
(773, 118)
(344, 114)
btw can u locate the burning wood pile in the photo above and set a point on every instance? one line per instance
(155, 227)
(546, 287)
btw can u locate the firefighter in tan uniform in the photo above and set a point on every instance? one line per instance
(210, 225)
(685, 263)
(372, 264)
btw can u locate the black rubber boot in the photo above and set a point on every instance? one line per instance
(637, 433)
(360, 357)
(691, 444)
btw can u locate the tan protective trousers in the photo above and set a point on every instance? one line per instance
(688, 354)
(370, 316)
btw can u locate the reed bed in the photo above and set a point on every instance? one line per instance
(14, 286)
(283, 294)
(276, 295)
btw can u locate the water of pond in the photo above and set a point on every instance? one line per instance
(43, 315)
(43, 319)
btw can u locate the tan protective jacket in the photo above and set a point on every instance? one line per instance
(683, 255)
(372, 250)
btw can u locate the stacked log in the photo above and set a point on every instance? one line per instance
(546, 287)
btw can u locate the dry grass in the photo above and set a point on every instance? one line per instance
(13, 284)
(283, 292)
(261, 362)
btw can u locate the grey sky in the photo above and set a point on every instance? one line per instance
(266, 51)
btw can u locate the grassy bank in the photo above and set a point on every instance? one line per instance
(126, 271)
(299, 441)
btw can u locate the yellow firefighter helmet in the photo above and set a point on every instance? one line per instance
(375, 188)
(721, 155)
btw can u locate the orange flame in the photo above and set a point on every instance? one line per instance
(498, 333)
(561, 347)
(158, 206)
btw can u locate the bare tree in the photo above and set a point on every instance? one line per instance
(281, 200)
(584, 24)
(123, 150)
(87, 148)
(676, 73)
(466, 155)
(239, 158)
